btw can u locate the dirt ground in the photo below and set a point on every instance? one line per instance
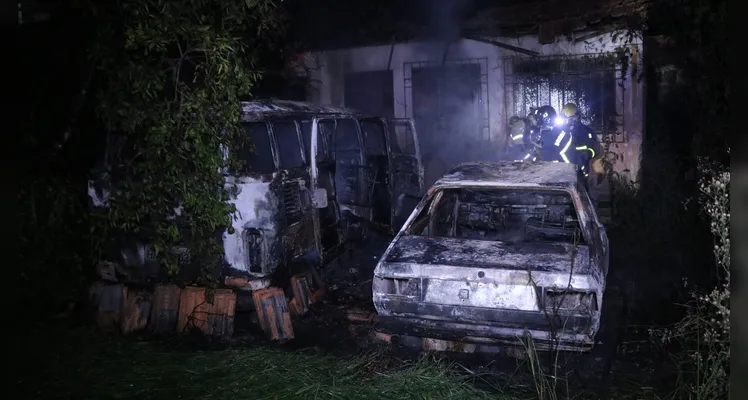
(623, 361)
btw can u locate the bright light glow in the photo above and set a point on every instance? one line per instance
(560, 120)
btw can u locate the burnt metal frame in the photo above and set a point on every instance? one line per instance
(595, 68)
(408, 68)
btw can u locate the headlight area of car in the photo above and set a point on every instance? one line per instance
(254, 240)
(577, 301)
(408, 287)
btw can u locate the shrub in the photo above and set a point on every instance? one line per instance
(704, 334)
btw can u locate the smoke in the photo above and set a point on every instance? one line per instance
(443, 17)
(440, 20)
(447, 100)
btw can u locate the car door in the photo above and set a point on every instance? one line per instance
(406, 170)
(350, 174)
(298, 229)
(331, 235)
(378, 164)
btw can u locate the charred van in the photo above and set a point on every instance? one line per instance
(314, 180)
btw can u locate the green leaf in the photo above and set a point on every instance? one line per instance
(167, 113)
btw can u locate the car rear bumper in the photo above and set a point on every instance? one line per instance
(484, 334)
(562, 331)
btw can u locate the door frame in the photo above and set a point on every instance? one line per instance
(397, 158)
(386, 226)
(295, 174)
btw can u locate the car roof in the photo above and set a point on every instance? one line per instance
(510, 174)
(268, 107)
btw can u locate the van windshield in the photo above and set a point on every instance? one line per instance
(254, 150)
(289, 148)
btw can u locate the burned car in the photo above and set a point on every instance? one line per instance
(312, 179)
(497, 253)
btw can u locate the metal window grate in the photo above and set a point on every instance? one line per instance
(292, 201)
(592, 81)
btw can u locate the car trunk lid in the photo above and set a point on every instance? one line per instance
(541, 257)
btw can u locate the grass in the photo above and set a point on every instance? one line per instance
(81, 364)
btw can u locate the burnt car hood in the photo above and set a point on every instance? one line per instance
(535, 256)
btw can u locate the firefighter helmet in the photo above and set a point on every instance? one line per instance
(545, 116)
(569, 110)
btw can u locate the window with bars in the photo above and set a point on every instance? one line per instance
(590, 81)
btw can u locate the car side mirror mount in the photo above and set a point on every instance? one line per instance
(319, 198)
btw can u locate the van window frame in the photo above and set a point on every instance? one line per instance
(359, 134)
(271, 121)
(329, 141)
(322, 152)
(411, 148)
(273, 150)
(384, 150)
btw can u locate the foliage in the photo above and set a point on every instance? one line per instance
(546, 382)
(52, 255)
(704, 333)
(690, 40)
(685, 119)
(92, 366)
(176, 72)
(53, 222)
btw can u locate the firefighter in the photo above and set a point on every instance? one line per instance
(555, 142)
(531, 136)
(518, 136)
(586, 148)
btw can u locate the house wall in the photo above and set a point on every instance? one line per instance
(326, 71)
